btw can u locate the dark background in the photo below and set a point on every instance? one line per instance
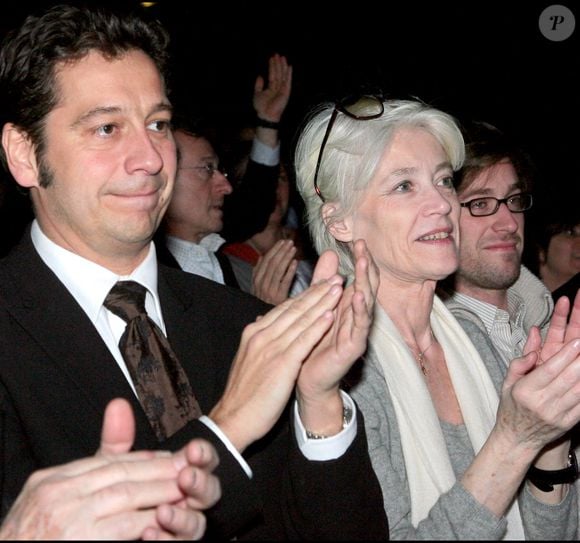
(484, 60)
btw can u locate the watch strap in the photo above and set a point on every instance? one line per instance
(546, 479)
(267, 124)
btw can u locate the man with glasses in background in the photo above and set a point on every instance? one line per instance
(491, 287)
(203, 213)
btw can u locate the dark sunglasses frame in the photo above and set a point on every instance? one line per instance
(343, 107)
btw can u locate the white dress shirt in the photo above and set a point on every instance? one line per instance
(198, 258)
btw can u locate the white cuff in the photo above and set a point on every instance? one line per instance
(330, 447)
(216, 429)
(264, 154)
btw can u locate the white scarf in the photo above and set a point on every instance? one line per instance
(427, 461)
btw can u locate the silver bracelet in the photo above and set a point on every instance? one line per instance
(346, 418)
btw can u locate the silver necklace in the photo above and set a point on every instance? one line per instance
(421, 356)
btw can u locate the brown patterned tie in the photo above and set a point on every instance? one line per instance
(162, 386)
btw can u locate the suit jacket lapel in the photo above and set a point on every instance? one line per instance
(187, 330)
(38, 300)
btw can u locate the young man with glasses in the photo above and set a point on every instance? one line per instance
(492, 289)
(491, 286)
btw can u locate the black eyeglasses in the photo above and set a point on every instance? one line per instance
(361, 108)
(488, 205)
(206, 171)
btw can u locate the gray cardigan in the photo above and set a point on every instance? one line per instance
(456, 515)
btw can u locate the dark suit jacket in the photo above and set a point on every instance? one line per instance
(57, 376)
(165, 257)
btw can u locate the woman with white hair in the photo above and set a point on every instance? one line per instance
(458, 441)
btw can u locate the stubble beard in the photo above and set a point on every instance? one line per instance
(487, 275)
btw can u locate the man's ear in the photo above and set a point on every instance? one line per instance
(341, 229)
(542, 256)
(20, 155)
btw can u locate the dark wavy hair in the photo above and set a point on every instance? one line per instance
(31, 54)
(486, 146)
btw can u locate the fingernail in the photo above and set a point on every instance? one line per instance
(335, 290)
(336, 280)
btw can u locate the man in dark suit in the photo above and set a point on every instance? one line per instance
(87, 131)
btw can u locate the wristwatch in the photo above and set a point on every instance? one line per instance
(545, 480)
